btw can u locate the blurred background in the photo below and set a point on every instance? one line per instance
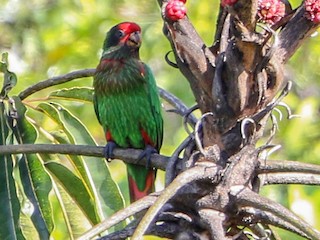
(46, 38)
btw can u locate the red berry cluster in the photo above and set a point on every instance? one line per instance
(312, 10)
(228, 2)
(270, 11)
(175, 10)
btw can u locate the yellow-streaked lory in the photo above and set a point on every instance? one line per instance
(127, 103)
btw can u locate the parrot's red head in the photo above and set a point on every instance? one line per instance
(124, 34)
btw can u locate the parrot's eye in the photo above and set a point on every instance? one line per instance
(120, 34)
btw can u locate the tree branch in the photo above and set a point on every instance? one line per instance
(127, 155)
(278, 166)
(193, 58)
(159, 161)
(290, 178)
(56, 81)
(181, 108)
(295, 32)
(119, 216)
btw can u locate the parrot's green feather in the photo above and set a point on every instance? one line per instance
(128, 107)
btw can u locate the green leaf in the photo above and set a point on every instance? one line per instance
(27, 226)
(94, 171)
(9, 202)
(10, 206)
(10, 78)
(75, 222)
(26, 132)
(4, 62)
(74, 126)
(37, 185)
(108, 191)
(76, 189)
(34, 179)
(73, 94)
(51, 111)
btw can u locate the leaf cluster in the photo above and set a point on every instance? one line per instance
(31, 183)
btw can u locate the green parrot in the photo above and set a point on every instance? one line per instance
(127, 103)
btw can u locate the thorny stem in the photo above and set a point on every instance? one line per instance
(246, 197)
(265, 217)
(173, 161)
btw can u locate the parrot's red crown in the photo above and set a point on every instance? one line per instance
(129, 27)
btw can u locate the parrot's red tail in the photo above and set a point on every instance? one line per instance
(141, 186)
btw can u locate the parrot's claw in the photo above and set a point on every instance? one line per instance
(108, 150)
(147, 152)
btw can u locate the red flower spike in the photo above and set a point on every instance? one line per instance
(225, 3)
(312, 10)
(175, 10)
(271, 11)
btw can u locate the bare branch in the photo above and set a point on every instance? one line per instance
(296, 31)
(181, 108)
(56, 81)
(160, 161)
(127, 155)
(278, 166)
(119, 216)
(290, 178)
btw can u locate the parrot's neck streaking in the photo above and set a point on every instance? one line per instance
(119, 68)
(120, 52)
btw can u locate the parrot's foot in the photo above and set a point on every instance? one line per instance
(108, 150)
(147, 152)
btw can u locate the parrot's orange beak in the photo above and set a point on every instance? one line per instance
(134, 39)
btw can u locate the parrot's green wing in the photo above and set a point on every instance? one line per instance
(155, 106)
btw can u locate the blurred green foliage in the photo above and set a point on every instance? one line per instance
(46, 38)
